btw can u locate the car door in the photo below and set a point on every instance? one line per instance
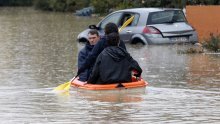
(129, 30)
(114, 18)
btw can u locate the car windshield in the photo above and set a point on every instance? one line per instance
(167, 16)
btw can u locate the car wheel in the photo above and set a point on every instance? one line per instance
(137, 40)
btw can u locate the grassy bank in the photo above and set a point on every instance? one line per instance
(213, 43)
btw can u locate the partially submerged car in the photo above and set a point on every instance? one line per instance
(149, 26)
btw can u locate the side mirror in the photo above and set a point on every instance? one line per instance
(93, 27)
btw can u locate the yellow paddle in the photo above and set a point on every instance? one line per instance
(66, 86)
(126, 23)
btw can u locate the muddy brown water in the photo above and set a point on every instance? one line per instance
(38, 51)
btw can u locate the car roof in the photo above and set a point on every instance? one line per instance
(146, 9)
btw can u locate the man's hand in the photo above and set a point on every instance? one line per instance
(137, 74)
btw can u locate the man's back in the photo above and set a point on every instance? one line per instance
(113, 65)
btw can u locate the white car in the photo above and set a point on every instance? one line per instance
(149, 26)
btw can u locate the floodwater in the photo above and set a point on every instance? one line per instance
(38, 51)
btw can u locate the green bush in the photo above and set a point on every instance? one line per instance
(42, 4)
(213, 43)
(60, 5)
(16, 2)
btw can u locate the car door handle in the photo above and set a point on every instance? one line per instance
(128, 31)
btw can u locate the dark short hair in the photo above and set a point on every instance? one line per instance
(111, 27)
(113, 39)
(93, 31)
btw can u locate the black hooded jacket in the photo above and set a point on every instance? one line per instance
(113, 65)
(91, 58)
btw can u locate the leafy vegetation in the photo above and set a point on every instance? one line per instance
(213, 43)
(16, 2)
(60, 5)
(103, 6)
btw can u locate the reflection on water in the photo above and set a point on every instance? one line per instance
(204, 71)
(117, 96)
(164, 67)
(39, 52)
(157, 105)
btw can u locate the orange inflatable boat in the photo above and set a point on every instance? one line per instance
(134, 84)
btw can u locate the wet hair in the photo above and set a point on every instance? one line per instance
(93, 31)
(111, 27)
(113, 39)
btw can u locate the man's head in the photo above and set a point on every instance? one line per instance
(113, 39)
(93, 36)
(111, 27)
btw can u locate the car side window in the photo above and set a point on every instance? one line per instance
(114, 18)
(126, 16)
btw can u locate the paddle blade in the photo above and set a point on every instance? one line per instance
(64, 86)
(67, 88)
(126, 23)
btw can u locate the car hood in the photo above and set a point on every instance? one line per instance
(173, 27)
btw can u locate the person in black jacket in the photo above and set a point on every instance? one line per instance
(93, 37)
(91, 58)
(114, 64)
